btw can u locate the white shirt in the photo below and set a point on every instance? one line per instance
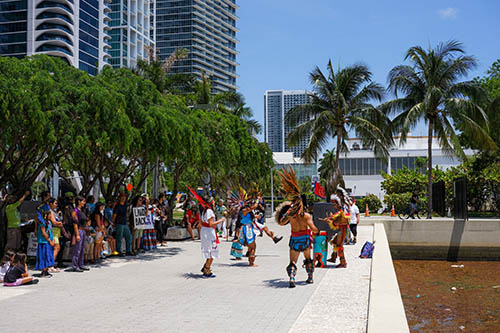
(3, 270)
(209, 213)
(354, 214)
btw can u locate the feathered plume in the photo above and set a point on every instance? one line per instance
(347, 198)
(291, 190)
(237, 199)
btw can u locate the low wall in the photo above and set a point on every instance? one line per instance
(386, 312)
(444, 239)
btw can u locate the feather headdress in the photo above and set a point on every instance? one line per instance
(291, 190)
(347, 198)
(237, 199)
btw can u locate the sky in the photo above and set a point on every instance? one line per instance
(281, 41)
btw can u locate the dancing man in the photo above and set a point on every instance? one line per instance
(338, 221)
(302, 225)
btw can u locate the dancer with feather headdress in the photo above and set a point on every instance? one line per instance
(301, 222)
(339, 221)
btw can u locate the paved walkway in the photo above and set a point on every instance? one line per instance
(164, 291)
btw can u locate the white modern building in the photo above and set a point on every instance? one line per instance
(132, 32)
(276, 104)
(362, 171)
(287, 160)
(73, 30)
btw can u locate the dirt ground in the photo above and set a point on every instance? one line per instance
(440, 298)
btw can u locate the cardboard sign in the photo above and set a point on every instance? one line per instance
(141, 220)
(32, 245)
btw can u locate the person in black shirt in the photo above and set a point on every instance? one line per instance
(120, 222)
(18, 272)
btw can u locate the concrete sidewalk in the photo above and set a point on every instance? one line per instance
(164, 291)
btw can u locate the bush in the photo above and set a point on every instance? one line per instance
(374, 203)
(401, 201)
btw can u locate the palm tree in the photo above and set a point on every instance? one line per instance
(156, 70)
(340, 104)
(430, 90)
(328, 171)
(227, 102)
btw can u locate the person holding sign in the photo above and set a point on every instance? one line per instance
(208, 235)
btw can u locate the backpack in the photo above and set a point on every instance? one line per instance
(367, 250)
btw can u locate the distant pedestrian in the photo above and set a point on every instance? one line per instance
(120, 221)
(353, 224)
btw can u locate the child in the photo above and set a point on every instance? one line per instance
(110, 238)
(6, 263)
(18, 273)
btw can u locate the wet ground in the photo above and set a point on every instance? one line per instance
(442, 296)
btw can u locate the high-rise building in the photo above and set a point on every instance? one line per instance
(276, 104)
(132, 31)
(73, 30)
(207, 29)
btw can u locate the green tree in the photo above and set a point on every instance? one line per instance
(340, 105)
(34, 116)
(431, 91)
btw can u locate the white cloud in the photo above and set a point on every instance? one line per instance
(448, 13)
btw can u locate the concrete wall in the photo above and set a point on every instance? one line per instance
(444, 239)
(386, 312)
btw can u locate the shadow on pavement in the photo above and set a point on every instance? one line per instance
(280, 283)
(159, 253)
(195, 276)
(235, 264)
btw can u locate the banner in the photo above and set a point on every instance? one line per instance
(319, 191)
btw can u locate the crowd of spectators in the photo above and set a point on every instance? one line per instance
(93, 230)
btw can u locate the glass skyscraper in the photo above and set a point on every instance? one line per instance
(132, 31)
(207, 29)
(73, 30)
(276, 104)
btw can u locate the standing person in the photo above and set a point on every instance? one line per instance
(98, 222)
(209, 239)
(149, 235)
(137, 233)
(301, 223)
(120, 221)
(192, 216)
(162, 228)
(353, 225)
(108, 211)
(57, 227)
(45, 240)
(339, 222)
(67, 231)
(13, 220)
(90, 205)
(221, 211)
(79, 235)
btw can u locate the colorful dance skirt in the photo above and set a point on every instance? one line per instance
(236, 250)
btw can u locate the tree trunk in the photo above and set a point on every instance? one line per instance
(429, 169)
(171, 202)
